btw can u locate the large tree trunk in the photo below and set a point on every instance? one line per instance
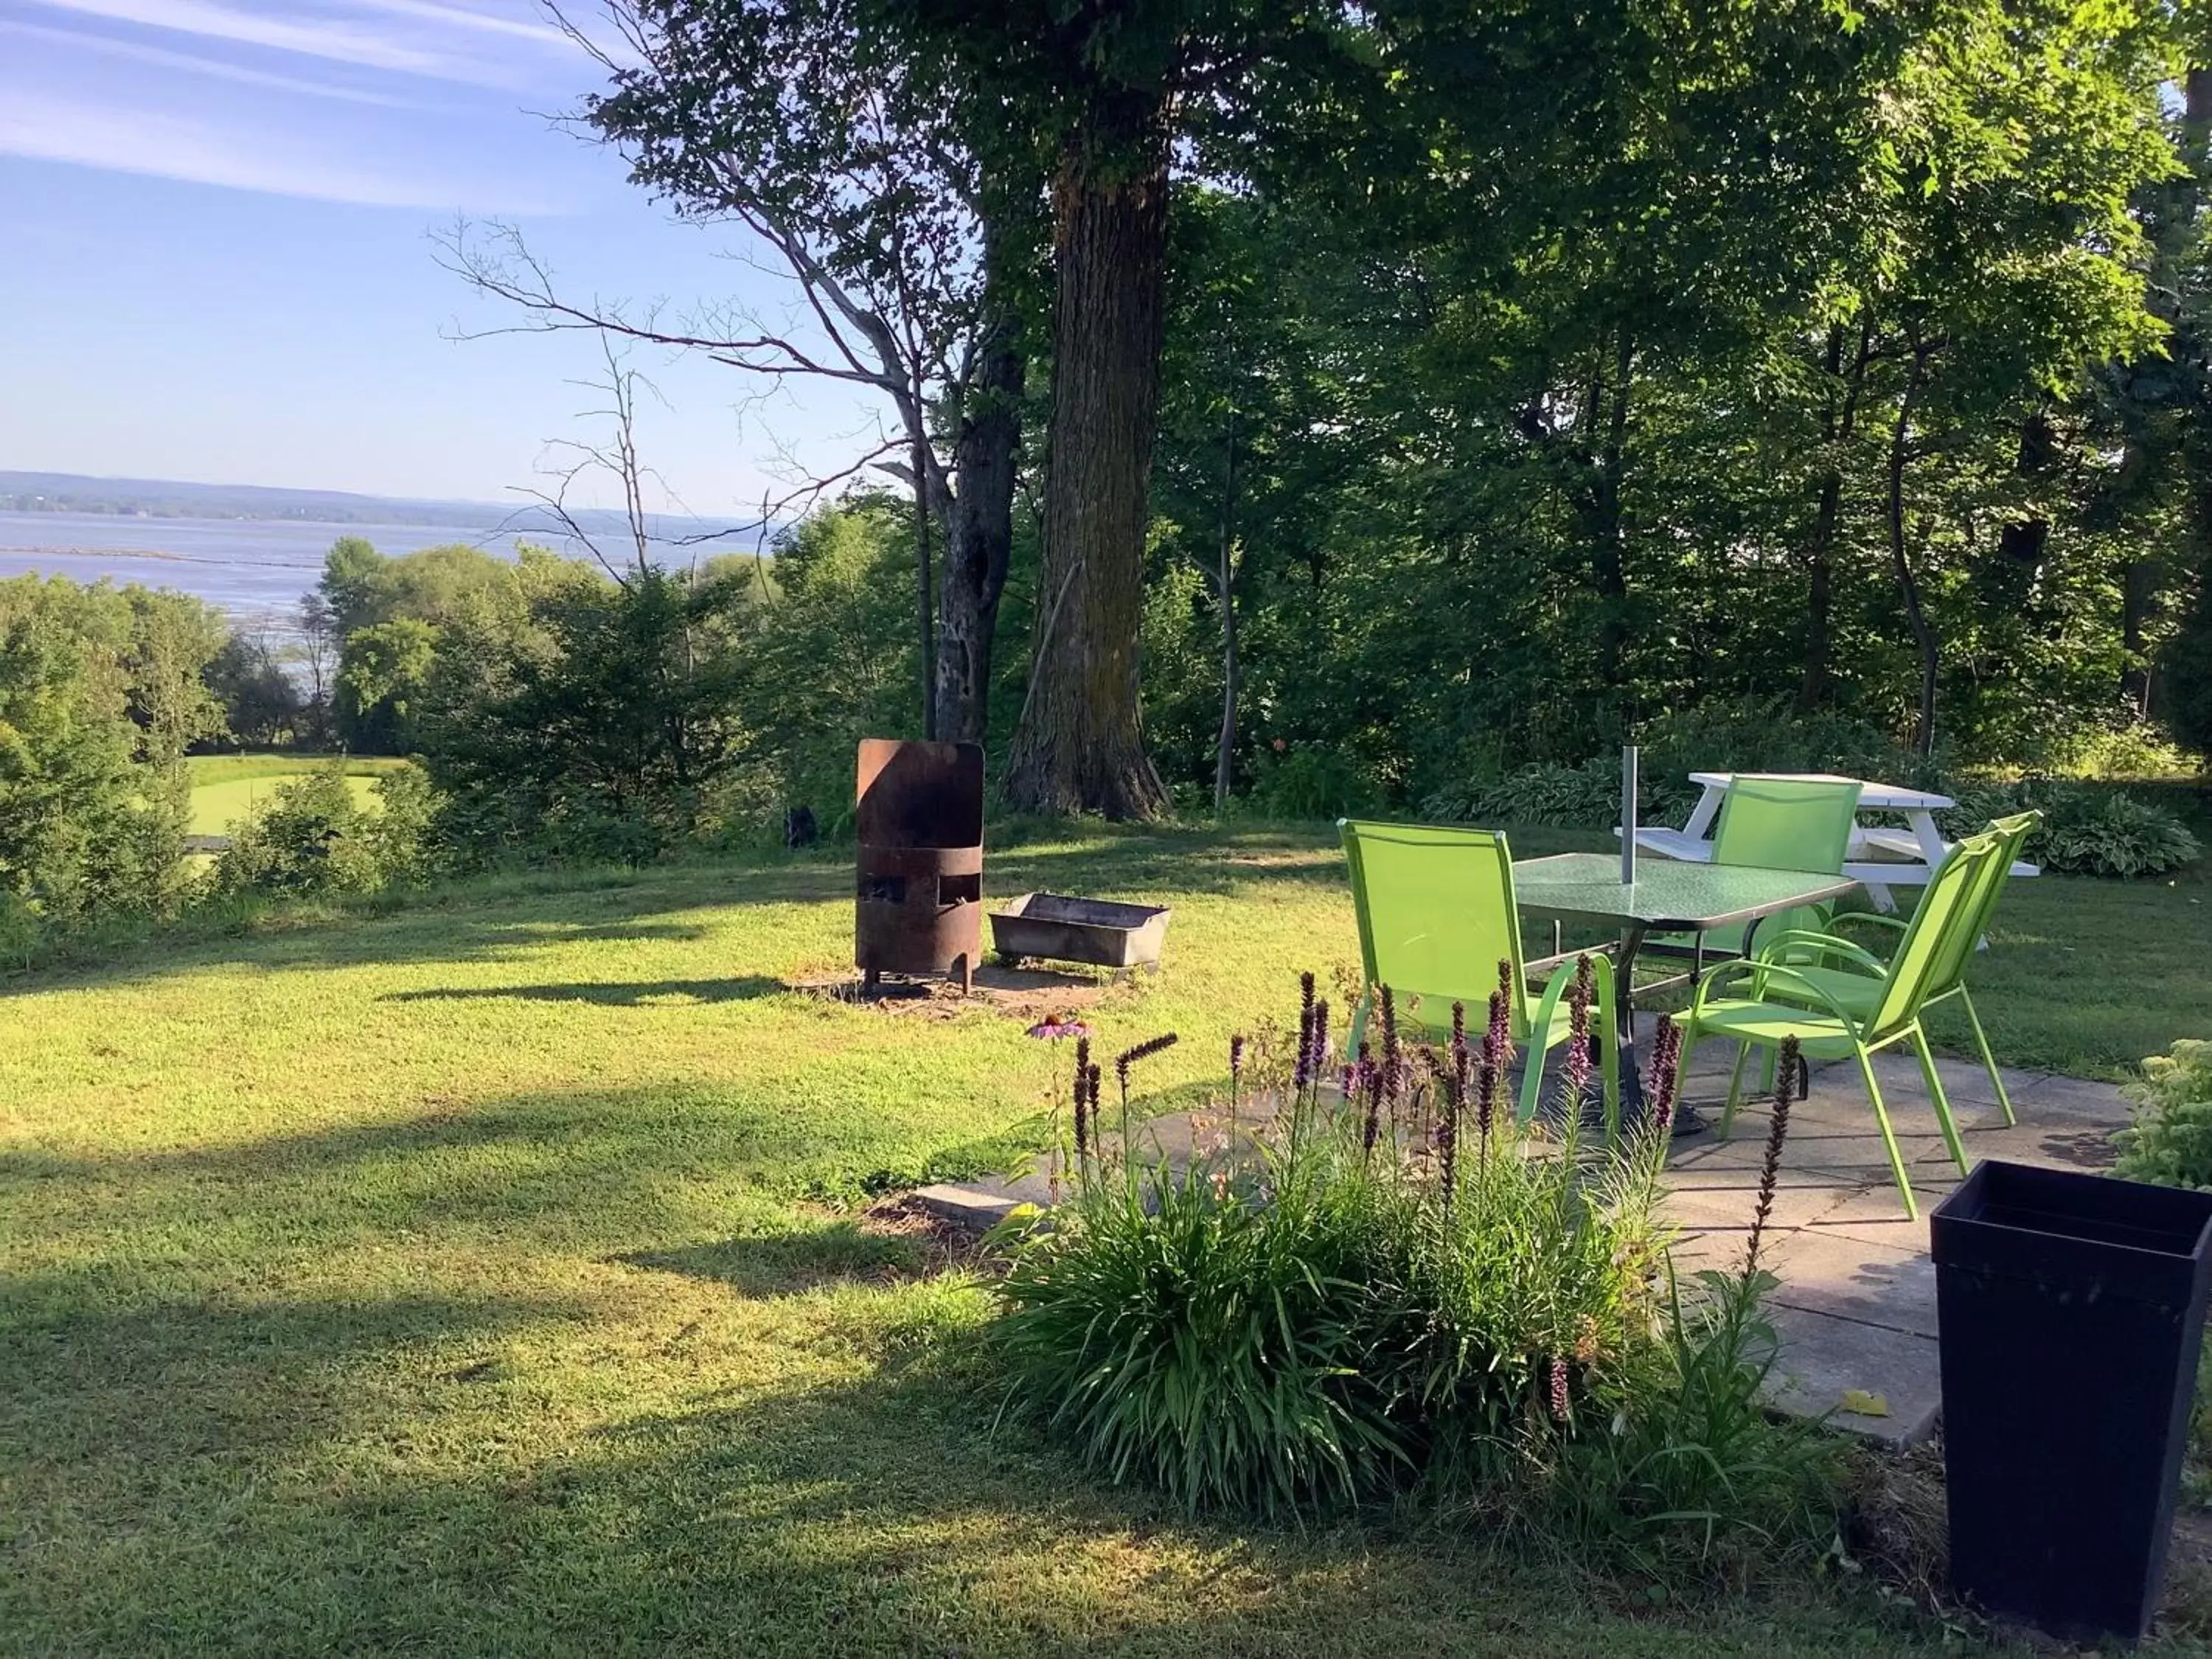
(1908, 584)
(1079, 745)
(925, 588)
(1837, 422)
(1224, 747)
(1607, 534)
(980, 534)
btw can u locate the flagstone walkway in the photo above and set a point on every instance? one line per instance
(1856, 1307)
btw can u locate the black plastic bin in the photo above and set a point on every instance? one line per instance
(2070, 1308)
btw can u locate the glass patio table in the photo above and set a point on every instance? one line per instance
(1667, 896)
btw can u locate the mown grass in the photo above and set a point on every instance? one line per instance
(226, 788)
(481, 1278)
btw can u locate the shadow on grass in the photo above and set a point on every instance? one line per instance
(784, 1264)
(614, 993)
(497, 914)
(880, 1515)
(208, 1379)
(584, 1166)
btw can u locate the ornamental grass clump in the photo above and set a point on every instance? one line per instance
(1696, 1479)
(1377, 1277)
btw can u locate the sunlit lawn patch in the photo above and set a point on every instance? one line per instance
(484, 1278)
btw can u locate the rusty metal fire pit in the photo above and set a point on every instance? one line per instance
(919, 908)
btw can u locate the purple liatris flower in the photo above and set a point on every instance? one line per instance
(1370, 1089)
(1770, 1169)
(1560, 1389)
(1574, 1073)
(1083, 1075)
(1303, 1068)
(1666, 1081)
(1394, 1058)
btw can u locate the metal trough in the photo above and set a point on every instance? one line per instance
(1095, 931)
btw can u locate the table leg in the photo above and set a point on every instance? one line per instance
(1624, 993)
(1702, 815)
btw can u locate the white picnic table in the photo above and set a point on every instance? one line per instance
(1879, 856)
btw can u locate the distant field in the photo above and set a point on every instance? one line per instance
(225, 787)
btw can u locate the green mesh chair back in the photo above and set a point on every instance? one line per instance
(2009, 834)
(1784, 823)
(1435, 911)
(1942, 933)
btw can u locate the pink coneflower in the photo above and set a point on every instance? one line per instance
(1056, 1027)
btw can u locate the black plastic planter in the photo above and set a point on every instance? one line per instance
(2071, 1308)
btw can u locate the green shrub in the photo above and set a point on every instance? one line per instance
(2170, 1140)
(2105, 833)
(313, 836)
(1349, 1292)
(2087, 829)
(1310, 781)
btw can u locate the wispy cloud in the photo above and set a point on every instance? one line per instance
(449, 46)
(463, 17)
(194, 63)
(172, 146)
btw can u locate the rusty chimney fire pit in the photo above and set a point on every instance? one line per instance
(920, 908)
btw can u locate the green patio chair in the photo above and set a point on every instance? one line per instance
(1436, 916)
(1858, 983)
(1775, 824)
(1784, 1002)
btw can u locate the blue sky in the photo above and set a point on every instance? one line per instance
(216, 260)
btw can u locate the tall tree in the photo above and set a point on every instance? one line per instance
(1106, 91)
(817, 128)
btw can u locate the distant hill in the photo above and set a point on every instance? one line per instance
(69, 492)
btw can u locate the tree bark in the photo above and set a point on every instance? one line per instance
(2173, 230)
(1079, 745)
(1224, 748)
(1607, 535)
(980, 531)
(925, 595)
(1837, 422)
(1908, 586)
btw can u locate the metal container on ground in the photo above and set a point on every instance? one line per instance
(1099, 931)
(919, 908)
(2071, 1309)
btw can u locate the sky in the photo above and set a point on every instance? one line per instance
(217, 258)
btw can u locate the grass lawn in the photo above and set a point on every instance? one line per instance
(225, 787)
(484, 1277)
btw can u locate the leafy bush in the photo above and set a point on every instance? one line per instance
(2086, 830)
(2170, 1140)
(1311, 782)
(1353, 1291)
(313, 836)
(2105, 833)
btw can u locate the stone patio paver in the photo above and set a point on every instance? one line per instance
(1856, 1309)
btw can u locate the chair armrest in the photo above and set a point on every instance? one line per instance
(1761, 975)
(1824, 945)
(1874, 918)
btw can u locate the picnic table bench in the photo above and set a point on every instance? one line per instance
(1879, 856)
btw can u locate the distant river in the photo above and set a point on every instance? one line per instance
(254, 568)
